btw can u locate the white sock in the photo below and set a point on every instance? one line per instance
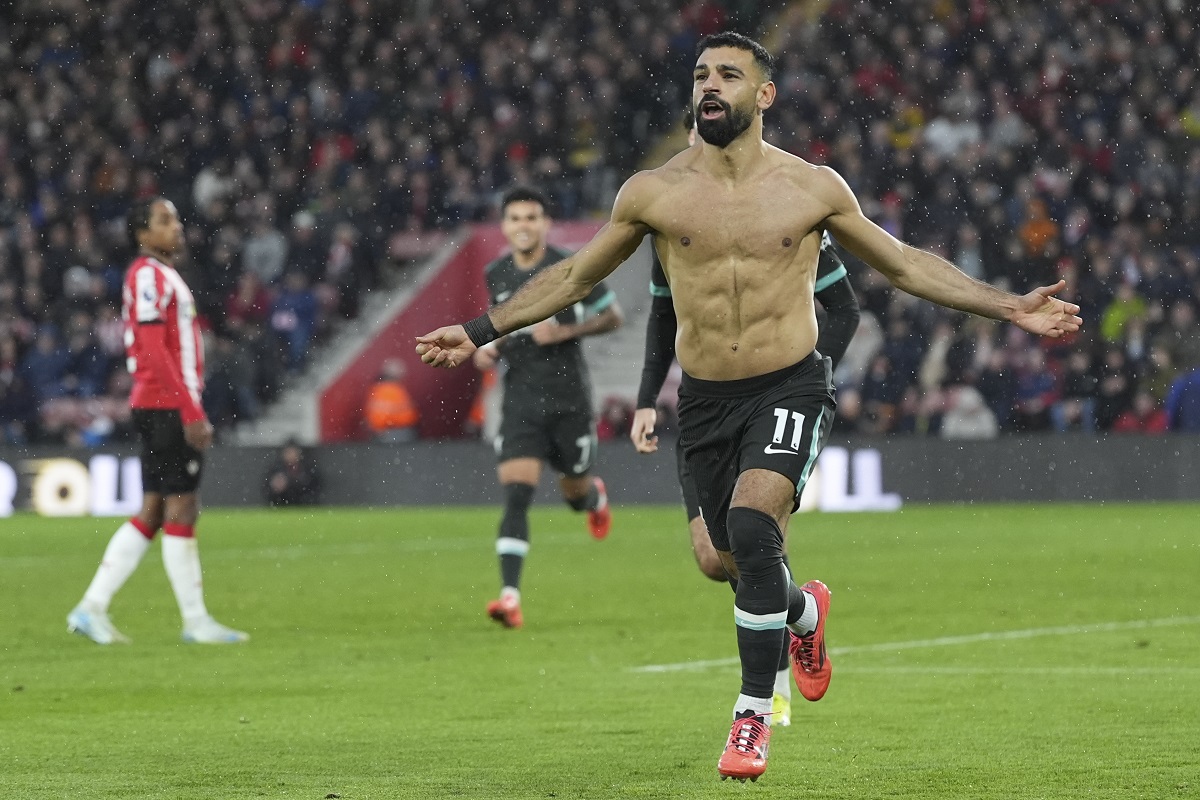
(121, 557)
(808, 620)
(783, 682)
(181, 557)
(759, 705)
(511, 591)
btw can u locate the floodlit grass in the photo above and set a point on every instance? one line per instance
(373, 673)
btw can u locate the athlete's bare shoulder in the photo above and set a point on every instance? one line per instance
(795, 167)
(644, 189)
(820, 182)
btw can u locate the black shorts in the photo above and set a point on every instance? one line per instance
(691, 499)
(169, 464)
(566, 440)
(778, 422)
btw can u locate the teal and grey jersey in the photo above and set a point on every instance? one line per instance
(552, 377)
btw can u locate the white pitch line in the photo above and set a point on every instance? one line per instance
(943, 641)
(1116, 672)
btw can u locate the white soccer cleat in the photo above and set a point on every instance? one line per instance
(209, 631)
(95, 625)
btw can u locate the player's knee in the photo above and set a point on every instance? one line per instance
(148, 524)
(183, 509)
(756, 542)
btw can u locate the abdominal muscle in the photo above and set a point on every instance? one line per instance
(711, 345)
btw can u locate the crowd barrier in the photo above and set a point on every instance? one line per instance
(873, 474)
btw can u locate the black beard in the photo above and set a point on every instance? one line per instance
(720, 132)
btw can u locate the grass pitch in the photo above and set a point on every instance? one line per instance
(979, 652)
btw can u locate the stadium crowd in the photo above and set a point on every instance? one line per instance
(309, 144)
(1026, 142)
(306, 144)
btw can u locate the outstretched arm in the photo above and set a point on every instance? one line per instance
(548, 292)
(935, 279)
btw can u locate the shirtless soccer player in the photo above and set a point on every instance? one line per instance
(833, 290)
(737, 224)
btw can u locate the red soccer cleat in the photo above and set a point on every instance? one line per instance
(745, 753)
(600, 520)
(506, 611)
(811, 666)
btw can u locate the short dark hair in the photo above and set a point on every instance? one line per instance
(522, 194)
(689, 119)
(138, 218)
(766, 64)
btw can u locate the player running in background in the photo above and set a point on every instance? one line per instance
(837, 298)
(546, 415)
(165, 356)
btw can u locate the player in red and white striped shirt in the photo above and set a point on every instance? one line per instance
(165, 356)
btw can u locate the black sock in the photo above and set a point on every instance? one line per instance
(762, 592)
(512, 541)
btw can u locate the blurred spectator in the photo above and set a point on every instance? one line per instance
(1143, 417)
(229, 387)
(848, 419)
(998, 384)
(293, 479)
(265, 250)
(345, 270)
(615, 420)
(1036, 392)
(306, 252)
(294, 319)
(1183, 403)
(1075, 409)
(1038, 230)
(1127, 305)
(87, 366)
(1115, 388)
(18, 404)
(1180, 336)
(248, 304)
(391, 415)
(45, 366)
(1158, 375)
(967, 416)
(866, 342)
(882, 390)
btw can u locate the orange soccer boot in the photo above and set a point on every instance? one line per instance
(600, 520)
(745, 753)
(506, 611)
(811, 666)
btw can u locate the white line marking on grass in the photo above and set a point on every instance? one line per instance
(943, 641)
(1118, 672)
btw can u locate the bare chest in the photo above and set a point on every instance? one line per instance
(762, 223)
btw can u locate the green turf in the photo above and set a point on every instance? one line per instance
(374, 674)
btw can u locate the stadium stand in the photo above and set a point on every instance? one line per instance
(317, 150)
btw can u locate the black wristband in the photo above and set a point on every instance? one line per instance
(481, 330)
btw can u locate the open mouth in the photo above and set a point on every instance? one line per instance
(711, 109)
